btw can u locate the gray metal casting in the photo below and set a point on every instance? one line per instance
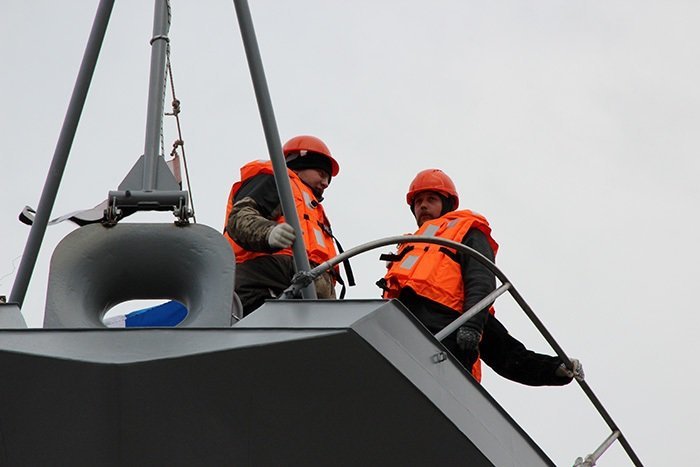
(327, 265)
(60, 155)
(272, 137)
(95, 268)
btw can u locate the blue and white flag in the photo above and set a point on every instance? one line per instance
(168, 314)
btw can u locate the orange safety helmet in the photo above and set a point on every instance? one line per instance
(298, 144)
(433, 180)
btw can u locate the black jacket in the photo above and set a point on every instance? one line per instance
(498, 349)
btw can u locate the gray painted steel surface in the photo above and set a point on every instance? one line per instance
(11, 316)
(295, 383)
(95, 268)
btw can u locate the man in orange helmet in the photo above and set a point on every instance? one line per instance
(438, 284)
(261, 239)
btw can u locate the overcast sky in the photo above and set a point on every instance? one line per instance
(571, 125)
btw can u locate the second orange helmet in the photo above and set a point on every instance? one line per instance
(433, 180)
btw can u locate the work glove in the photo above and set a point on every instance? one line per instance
(281, 236)
(468, 342)
(577, 372)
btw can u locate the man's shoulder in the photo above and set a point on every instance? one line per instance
(256, 182)
(257, 163)
(465, 215)
(260, 188)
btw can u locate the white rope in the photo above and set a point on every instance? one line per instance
(176, 113)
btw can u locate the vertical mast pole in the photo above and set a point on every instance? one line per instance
(274, 147)
(61, 152)
(156, 86)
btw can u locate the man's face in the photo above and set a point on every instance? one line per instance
(316, 179)
(427, 205)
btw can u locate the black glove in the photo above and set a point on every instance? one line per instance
(468, 342)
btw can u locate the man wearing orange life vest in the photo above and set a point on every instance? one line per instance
(259, 236)
(438, 284)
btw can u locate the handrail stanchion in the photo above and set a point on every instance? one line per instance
(302, 279)
(272, 137)
(590, 459)
(467, 315)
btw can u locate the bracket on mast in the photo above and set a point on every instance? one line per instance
(166, 195)
(150, 185)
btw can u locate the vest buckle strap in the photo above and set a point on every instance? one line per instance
(392, 257)
(449, 253)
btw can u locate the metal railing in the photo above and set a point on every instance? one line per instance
(304, 277)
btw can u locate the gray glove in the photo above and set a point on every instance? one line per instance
(576, 372)
(281, 236)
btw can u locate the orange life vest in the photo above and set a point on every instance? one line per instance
(430, 269)
(316, 228)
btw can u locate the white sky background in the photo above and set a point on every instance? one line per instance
(571, 125)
